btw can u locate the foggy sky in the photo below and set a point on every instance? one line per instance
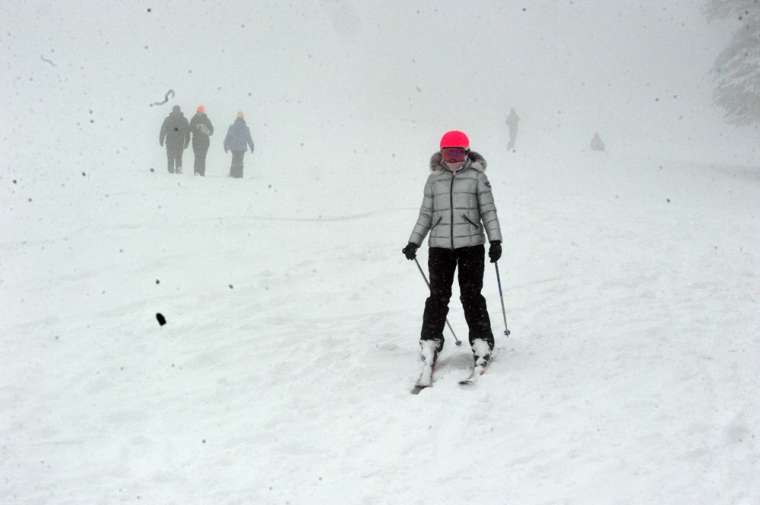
(628, 69)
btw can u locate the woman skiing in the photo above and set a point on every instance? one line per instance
(457, 207)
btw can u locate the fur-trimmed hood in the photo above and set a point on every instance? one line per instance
(474, 160)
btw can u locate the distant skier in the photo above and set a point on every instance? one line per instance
(513, 122)
(237, 140)
(458, 205)
(175, 133)
(596, 143)
(201, 127)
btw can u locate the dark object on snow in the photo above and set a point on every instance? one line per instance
(48, 61)
(596, 143)
(237, 140)
(160, 318)
(202, 129)
(175, 133)
(169, 94)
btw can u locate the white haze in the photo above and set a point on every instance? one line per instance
(340, 76)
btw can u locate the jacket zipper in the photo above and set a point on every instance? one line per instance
(451, 202)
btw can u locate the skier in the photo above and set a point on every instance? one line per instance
(457, 207)
(513, 121)
(596, 142)
(175, 133)
(237, 140)
(202, 128)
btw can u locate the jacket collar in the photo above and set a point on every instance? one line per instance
(474, 160)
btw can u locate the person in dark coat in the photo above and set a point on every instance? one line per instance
(202, 129)
(237, 140)
(175, 133)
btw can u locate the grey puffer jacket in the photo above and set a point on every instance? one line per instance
(457, 207)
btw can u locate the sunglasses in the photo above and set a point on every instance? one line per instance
(454, 154)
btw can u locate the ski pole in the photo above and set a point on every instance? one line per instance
(501, 295)
(459, 342)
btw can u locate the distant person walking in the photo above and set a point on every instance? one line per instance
(596, 143)
(513, 122)
(175, 134)
(202, 129)
(237, 140)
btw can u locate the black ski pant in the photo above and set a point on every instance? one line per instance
(442, 263)
(200, 149)
(174, 159)
(236, 168)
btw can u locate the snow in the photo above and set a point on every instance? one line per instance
(282, 374)
(629, 376)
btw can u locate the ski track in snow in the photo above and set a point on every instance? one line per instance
(630, 375)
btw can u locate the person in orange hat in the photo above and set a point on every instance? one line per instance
(458, 210)
(202, 129)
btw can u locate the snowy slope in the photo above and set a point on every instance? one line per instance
(283, 373)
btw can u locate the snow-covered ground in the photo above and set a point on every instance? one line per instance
(283, 373)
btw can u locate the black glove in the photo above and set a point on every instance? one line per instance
(494, 252)
(410, 251)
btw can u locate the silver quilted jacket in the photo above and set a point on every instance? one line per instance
(457, 207)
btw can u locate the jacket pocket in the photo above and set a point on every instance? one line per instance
(468, 220)
(437, 222)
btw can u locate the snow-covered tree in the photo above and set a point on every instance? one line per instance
(737, 67)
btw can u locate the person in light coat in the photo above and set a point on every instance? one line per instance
(458, 211)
